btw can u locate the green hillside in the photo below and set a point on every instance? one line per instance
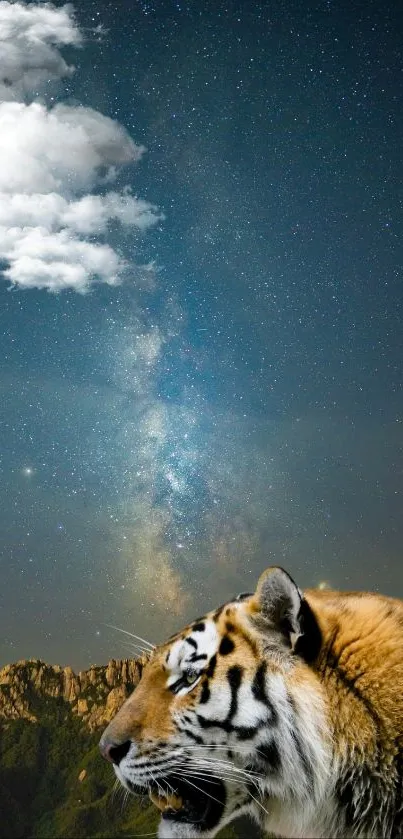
(54, 782)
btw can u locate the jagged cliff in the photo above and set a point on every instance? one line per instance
(53, 781)
(94, 695)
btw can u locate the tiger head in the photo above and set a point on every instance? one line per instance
(227, 715)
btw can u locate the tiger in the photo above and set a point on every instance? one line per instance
(282, 705)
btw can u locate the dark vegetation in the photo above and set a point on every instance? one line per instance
(53, 782)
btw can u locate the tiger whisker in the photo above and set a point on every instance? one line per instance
(207, 746)
(207, 763)
(132, 635)
(225, 765)
(233, 779)
(170, 787)
(160, 790)
(155, 782)
(189, 774)
(137, 644)
(259, 804)
(116, 789)
(203, 748)
(224, 776)
(125, 798)
(135, 648)
(198, 788)
(119, 792)
(201, 775)
(221, 765)
(123, 801)
(203, 770)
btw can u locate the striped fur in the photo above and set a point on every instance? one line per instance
(282, 705)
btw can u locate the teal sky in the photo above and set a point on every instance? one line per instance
(200, 311)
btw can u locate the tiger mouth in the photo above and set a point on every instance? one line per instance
(202, 804)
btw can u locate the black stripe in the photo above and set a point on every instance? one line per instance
(259, 692)
(270, 754)
(245, 733)
(218, 612)
(212, 666)
(145, 767)
(346, 797)
(398, 808)
(226, 646)
(331, 661)
(206, 723)
(195, 737)
(205, 694)
(298, 743)
(309, 643)
(234, 677)
(199, 626)
(306, 763)
(192, 642)
(258, 684)
(198, 657)
(242, 732)
(327, 653)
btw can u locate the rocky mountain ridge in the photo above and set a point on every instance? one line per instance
(94, 695)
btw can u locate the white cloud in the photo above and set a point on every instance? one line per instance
(66, 148)
(29, 37)
(42, 259)
(52, 160)
(90, 214)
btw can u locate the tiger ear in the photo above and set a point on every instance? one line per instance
(282, 606)
(278, 600)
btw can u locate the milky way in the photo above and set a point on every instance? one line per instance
(201, 307)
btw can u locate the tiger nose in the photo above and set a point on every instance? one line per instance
(112, 751)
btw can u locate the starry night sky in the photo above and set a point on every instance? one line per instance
(227, 393)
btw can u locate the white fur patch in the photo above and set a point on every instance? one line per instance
(250, 712)
(182, 653)
(218, 706)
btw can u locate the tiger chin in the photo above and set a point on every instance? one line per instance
(283, 705)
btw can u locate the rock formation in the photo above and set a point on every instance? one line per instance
(94, 695)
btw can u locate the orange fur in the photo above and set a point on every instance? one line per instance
(344, 698)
